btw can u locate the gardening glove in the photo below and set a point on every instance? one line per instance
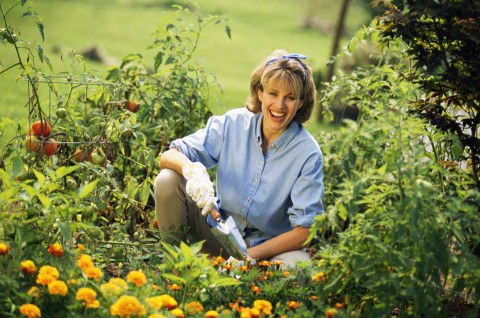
(199, 187)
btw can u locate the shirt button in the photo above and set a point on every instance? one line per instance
(248, 199)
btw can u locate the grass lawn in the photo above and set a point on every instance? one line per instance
(125, 26)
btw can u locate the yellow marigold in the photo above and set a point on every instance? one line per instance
(157, 316)
(58, 287)
(193, 308)
(34, 291)
(138, 278)
(72, 281)
(265, 263)
(28, 267)
(84, 261)
(4, 249)
(88, 297)
(319, 277)
(81, 247)
(93, 273)
(286, 273)
(264, 306)
(256, 289)
(250, 313)
(119, 282)
(177, 313)
(211, 314)
(47, 274)
(56, 249)
(127, 306)
(158, 302)
(30, 310)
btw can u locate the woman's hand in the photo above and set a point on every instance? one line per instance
(286, 242)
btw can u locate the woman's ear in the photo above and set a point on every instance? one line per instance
(260, 93)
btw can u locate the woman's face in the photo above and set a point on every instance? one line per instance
(279, 106)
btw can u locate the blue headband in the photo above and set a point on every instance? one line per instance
(294, 56)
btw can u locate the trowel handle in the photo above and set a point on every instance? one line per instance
(216, 215)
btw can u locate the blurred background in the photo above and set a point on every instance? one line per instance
(105, 31)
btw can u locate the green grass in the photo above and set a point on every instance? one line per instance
(126, 26)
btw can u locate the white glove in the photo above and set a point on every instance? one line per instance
(199, 186)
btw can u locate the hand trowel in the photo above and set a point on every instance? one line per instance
(228, 234)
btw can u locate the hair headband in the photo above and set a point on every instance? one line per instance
(294, 56)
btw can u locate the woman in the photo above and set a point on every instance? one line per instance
(269, 168)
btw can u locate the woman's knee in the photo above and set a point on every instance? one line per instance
(167, 182)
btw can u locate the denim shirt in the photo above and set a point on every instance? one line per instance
(266, 195)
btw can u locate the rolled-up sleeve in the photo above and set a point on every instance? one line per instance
(307, 193)
(205, 144)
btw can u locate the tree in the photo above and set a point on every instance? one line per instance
(444, 43)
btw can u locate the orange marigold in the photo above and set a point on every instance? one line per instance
(28, 267)
(319, 277)
(331, 313)
(138, 278)
(174, 287)
(193, 308)
(84, 261)
(58, 287)
(34, 291)
(88, 297)
(127, 306)
(4, 249)
(250, 313)
(47, 274)
(56, 249)
(293, 304)
(158, 302)
(30, 310)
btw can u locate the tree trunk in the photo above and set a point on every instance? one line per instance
(336, 43)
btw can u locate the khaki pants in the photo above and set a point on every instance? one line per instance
(179, 219)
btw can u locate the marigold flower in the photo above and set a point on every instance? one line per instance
(138, 278)
(56, 249)
(331, 313)
(174, 287)
(34, 291)
(293, 304)
(28, 267)
(158, 302)
(256, 289)
(250, 313)
(177, 313)
(286, 273)
(127, 306)
(84, 261)
(244, 268)
(81, 247)
(211, 314)
(93, 273)
(4, 249)
(30, 310)
(319, 277)
(157, 316)
(193, 308)
(58, 287)
(264, 306)
(88, 297)
(47, 274)
(314, 297)
(338, 305)
(114, 287)
(265, 263)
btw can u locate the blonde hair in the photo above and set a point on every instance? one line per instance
(284, 69)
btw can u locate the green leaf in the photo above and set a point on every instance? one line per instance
(228, 31)
(40, 52)
(40, 176)
(87, 189)
(64, 171)
(174, 278)
(144, 192)
(44, 199)
(65, 229)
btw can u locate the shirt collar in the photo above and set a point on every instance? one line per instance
(281, 142)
